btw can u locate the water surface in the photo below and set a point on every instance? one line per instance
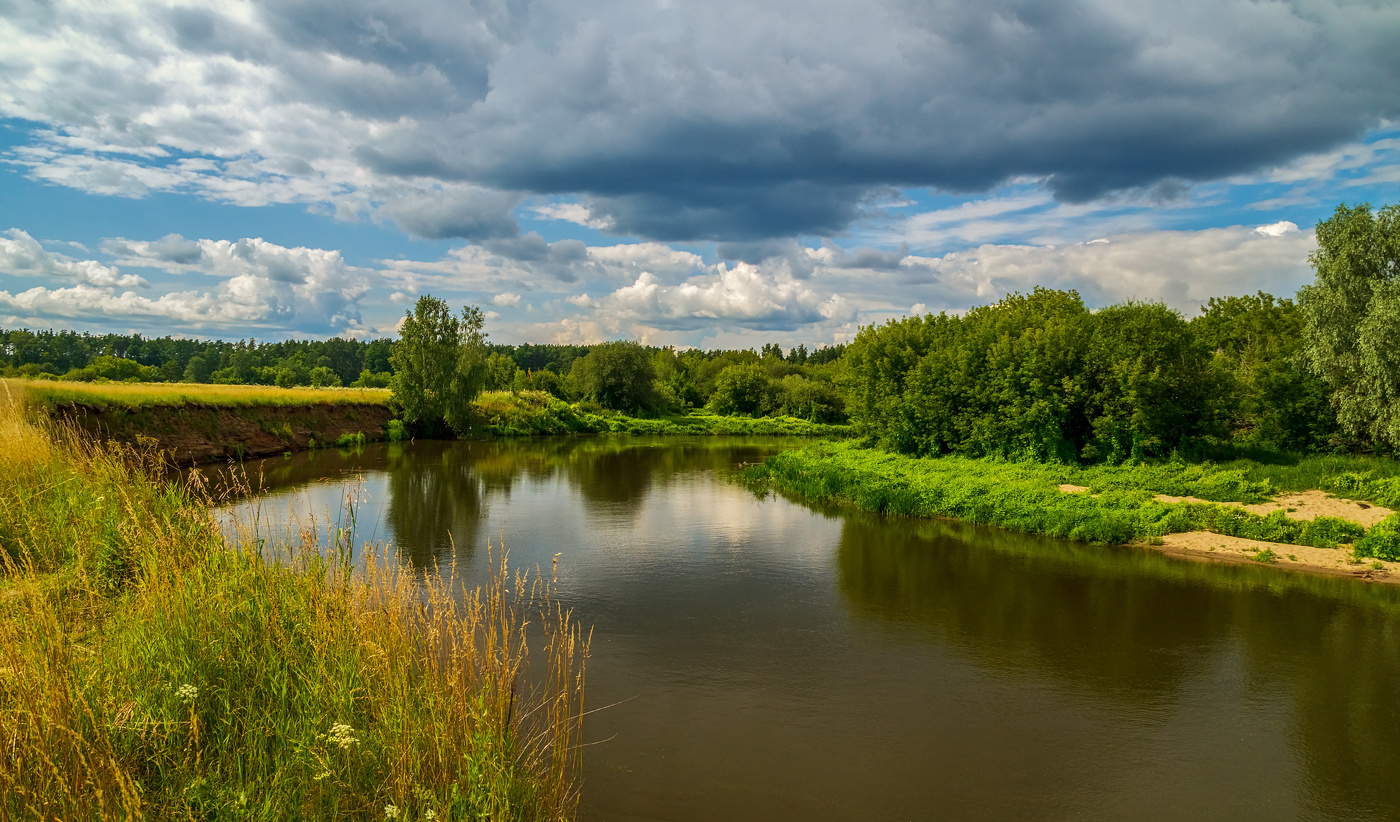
(768, 661)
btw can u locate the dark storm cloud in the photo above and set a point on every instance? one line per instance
(731, 121)
(474, 214)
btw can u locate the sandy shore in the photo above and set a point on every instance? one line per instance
(1212, 547)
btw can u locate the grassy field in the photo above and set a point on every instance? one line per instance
(150, 668)
(532, 413)
(1120, 505)
(136, 395)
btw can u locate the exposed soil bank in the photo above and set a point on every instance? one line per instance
(194, 433)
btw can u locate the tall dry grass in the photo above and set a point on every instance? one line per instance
(208, 677)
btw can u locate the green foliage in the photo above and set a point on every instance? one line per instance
(743, 389)
(323, 377)
(534, 413)
(1382, 541)
(1035, 376)
(395, 431)
(439, 365)
(617, 375)
(1352, 312)
(370, 379)
(500, 373)
(1120, 505)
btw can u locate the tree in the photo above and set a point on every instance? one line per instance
(198, 370)
(743, 389)
(439, 365)
(1352, 320)
(616, 375)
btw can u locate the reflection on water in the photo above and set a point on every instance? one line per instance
(767, 661)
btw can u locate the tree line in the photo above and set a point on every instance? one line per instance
(1041, 376)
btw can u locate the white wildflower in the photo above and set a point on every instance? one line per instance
(342, 735)
(186, 693)
(322, 775)
(391, 812)
(430, 815)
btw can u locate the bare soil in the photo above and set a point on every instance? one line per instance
(194, 433)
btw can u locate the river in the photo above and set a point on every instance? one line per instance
(767, 661)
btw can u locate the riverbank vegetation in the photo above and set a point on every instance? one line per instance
(531, 413)
(150, 667)
(1098, 503)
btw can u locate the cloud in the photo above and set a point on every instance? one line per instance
(1184, 269)
(470, 213)
(743, 296)
(22, 256)
(723, 121)
(259, 285)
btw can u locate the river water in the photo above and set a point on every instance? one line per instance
(768, 661)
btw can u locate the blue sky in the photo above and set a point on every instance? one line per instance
(717, 174)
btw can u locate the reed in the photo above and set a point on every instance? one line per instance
(230, 677)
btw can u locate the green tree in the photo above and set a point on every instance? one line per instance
(323, 377)
(617, 375)
(500, 372)
(198, 370)
(1264, 394)
(743, 389)
(439, 365)
(1352, 316)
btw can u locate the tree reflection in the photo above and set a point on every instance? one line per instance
(434, 503)
(1134, 625)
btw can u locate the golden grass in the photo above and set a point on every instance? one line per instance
(152, 668)
(51, 392)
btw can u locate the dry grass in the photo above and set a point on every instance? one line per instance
(150, 668)
(158, 393)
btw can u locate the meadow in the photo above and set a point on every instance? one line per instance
(1119, 504)
(151, 667)
(138, 394)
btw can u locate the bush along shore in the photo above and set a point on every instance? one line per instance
(152, 667)
(1104, 504)
(534, 413)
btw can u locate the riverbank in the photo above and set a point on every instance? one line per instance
(198, 424)
(151, 668)
(1156, 505)
(536, 413)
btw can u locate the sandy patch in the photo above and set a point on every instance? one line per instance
(1066, 488)
(1304, 506)
(1206, 545)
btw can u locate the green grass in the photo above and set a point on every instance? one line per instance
(136, 395)
(1119, 507)
(150, 667)
(534, 413)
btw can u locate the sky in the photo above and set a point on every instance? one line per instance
(718, 174)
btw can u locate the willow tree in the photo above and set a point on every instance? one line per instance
(1352, 316)
(439, 365)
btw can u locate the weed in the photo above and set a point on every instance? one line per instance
(1264, 555)
(155, 668)
(1025, 496)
